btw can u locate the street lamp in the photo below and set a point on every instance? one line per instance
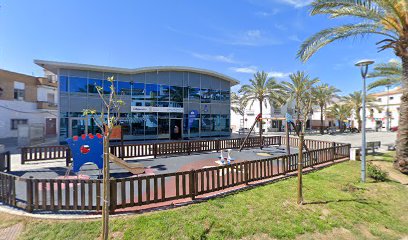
(363, 64)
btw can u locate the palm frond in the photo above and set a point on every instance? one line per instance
(324, 37)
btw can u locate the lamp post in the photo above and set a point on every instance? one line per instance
(363, 64)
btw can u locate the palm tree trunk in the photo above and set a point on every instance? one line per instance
(360, 123)
(260, 123)
(401, 161)
(321, 120)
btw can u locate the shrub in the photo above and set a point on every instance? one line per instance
(376, 173)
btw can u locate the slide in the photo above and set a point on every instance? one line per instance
(135, 168)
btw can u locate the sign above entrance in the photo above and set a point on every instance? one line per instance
(157, 109)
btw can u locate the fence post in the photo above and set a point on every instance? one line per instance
(155, 150)
(246, 172)
(189, 147)
(279, 140)
(29, 189)
(192, 184)
(67, 156)
(217, 145)
(8, 161)
(334, 151)
(23, 155)
(285, 165)
(113, 195)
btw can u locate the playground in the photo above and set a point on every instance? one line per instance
(165, 164)
(61, 178)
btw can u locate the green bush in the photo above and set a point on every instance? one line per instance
(376, 173)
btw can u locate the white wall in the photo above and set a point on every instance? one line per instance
(20, 110)
(42, 93)
(251, 113)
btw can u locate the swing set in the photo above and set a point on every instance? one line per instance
(289, 122)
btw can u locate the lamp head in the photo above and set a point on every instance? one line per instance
(364, 62)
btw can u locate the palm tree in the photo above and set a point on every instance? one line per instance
(340, 112)
(263, 89)
(386, 74)
(355, 102)
(324, 95)
(297, 89)
(386, 18)
(238, 104)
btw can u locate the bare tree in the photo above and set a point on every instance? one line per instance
(106, 120)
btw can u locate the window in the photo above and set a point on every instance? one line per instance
(391, 98)
(77, 85)
(378, 99)
(63, 83)
(124, 88)
(16, 122)
(50, 98)
(19, 92)
(93, 84)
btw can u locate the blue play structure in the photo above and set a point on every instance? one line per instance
(88, 148)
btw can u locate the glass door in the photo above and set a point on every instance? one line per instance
(194, 128)
(77, 127)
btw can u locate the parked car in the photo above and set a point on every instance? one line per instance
(394, 129)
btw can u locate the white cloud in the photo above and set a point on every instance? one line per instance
(394, 60)
(297, 3)
(295, 38)
(253, 37)
(267, 14)
(249, 69)
(215, 58)
(278, 74)
(280, 27)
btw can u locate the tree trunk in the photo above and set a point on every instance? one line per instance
(401, 161)
(360, 123)
(321, 120)
(260, 123)
(106, 190)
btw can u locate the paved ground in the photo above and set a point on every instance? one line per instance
(355, 138)
(56, 168)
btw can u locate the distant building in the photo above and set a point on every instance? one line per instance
(274, 117)
(28, 100)
(386, 99)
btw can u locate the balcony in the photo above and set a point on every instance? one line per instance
(47, 82)
(46, 105)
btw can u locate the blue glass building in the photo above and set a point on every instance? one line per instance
(160, 102)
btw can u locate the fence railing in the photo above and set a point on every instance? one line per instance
(85, 195)
(29, 154)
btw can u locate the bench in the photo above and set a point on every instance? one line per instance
(373, 145)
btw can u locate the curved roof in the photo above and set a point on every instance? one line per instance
(54, 66)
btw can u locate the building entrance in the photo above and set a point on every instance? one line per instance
(77, 127)
(175, 128)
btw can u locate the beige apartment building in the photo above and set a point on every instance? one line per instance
(28, 100)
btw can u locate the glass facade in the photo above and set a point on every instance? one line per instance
(158, 105)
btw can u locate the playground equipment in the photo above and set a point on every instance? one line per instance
(288, 121)
(222, 159)
(86, 149)
(89, 148)
(230, 158)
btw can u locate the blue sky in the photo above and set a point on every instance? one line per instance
(233, 37)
